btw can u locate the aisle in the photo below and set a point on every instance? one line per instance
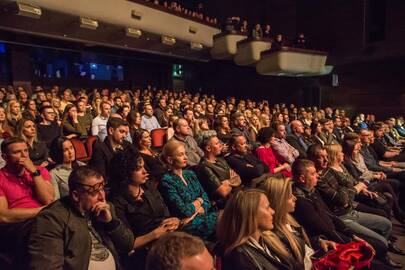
(400, 233)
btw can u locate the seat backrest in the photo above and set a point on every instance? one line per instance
(91, 140)
(81, 153)
(158, 136)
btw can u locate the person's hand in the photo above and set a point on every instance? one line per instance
(171, 224)
(201, 210)
(370, 194)
(396, 170)
(360, 187)
(44, 164)
(28, 164)
(377, 176)
(225, 148)
(102, 212)
(286, 166)
(327, 245)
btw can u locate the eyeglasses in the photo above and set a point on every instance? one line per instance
(94, 189)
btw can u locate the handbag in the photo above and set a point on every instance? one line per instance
(353, 255)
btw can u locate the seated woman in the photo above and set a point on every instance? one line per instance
(223, 129)
(290, 232)
(245, 236)
(376, 181)
(184, 195)
(134, 121)
(142, 209)
(201, 130)
(71, 127)
(38, 151)
(356, 188)
(265, 153)
(63, 154)
(153, 165)
(5, 129)
(31, 111)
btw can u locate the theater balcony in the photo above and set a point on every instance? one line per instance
(130, 25)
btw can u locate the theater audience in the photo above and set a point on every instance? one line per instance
(13, 113)
(84, 114)
(63, 153)
(5, 129)
(31, 111)
(327, 136)
(80, 230)
(245, 164)
(184, 195)
(223, 129)
(380, 146)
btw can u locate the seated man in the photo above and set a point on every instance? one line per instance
(215, 175)
(296, 138)
(240, 126)
(99, 123)
(283, 151)
(24, 190)
(79, 231)
(189, 253)
(103, 152)
(148, 120)
(246, 165)
(327, 135)
(48, 128)
(182, 134)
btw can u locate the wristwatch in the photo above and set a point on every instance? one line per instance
(36, 173)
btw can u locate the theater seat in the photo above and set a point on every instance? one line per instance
(91, 140)
(81, 153)
(158, 137)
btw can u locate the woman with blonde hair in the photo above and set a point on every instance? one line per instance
(245, 236)
(184, 194)
(13, 113)
(290, 232)
(38, 152)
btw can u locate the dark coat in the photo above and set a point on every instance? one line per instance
(60, 238)
(294, 141)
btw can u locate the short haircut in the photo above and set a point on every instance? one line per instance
(43, 108)
(167, 252)
(79, 176)
(177, 122)
(313, 151)
(9, 141)
(206, 141)
(115, 122)
(105, 102)
(235, 136)
(265, 134)
(300, 166)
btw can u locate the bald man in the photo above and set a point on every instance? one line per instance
(296, 138)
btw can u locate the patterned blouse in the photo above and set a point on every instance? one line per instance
(179, 198)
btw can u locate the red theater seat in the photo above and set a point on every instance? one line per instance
(158, 137)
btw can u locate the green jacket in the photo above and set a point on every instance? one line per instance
(60, 238)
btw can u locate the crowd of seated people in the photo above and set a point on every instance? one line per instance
(193, 12)
(257, 31)
(247, 178)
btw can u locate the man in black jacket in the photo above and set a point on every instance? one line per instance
(103, 152)
(296, 138)
(246, 165)
(79, 231)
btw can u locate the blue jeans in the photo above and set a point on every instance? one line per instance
(368, 225)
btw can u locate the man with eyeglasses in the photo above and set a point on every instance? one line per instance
(48, 128)
(79, 231)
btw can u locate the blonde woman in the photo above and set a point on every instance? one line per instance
(296, 242)
(245, 234)
(38, 151)
(184, 195)
(5, 129)
(13, 113)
